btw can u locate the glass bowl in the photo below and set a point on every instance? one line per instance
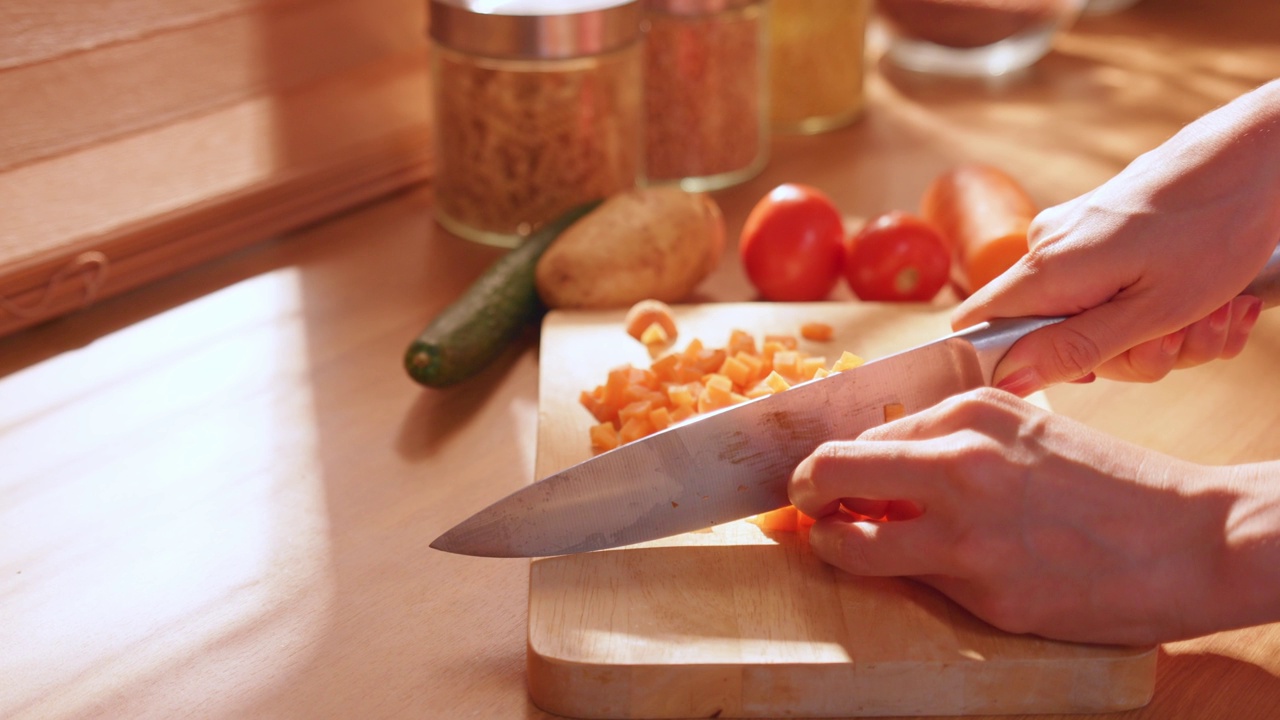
(973, 37)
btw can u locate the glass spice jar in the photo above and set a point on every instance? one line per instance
(816, 64)
(706, 111)
(535, 111)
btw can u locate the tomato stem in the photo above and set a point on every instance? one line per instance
(906, 280)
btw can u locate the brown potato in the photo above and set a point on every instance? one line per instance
(649, 243)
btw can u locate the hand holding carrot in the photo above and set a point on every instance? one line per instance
(1037, 523)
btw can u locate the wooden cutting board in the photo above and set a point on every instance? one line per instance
(734, 622)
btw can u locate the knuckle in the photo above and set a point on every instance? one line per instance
(1044, 229)
(1073, 354)
(985, 405)
(823, 467)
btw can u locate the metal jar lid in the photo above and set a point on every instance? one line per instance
(534, 29)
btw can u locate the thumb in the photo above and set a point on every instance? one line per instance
(1071, 349)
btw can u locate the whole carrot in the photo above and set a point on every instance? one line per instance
(983, 214)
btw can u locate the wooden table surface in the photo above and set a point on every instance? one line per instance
(217, 493)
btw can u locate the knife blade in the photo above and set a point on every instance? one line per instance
(729, 464)
(735, 462)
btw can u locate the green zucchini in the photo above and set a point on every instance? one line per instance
(474, 330)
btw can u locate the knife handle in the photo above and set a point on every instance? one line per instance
(992, 339)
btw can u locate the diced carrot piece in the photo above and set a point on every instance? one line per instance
(709, 361)
(684, 394)
(639, 408)
(604, 436)
(688, 372)
(655, 338)
(660, 418)
(770, 350)
(634, 429)
(645, 314)
(692, 349)
(776, 382)
(893, 411)
(821, 373)
(786, 363)
(817, 331)
(847, 361)
(741, 341)
(810, 366)
(787, 341)
(737, 371)
(664, 368)
(682, 413)
(716, 395)
(637, 393)
(754, 362)
(719, 382)
(622, 379)
(758, 390)
(602, 412)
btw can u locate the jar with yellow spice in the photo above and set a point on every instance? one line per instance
(816, 63)
(706, 110)
(537, 108)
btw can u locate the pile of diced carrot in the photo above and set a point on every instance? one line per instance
(634, 401)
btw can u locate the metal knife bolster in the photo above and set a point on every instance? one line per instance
(991, 340)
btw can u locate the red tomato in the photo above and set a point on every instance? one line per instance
(792, 244)
(897, 257)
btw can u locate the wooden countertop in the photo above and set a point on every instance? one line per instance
(217, 492)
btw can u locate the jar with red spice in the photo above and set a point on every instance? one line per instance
(537, 109)
(706, 105)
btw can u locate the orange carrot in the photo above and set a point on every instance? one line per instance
(983, 214)
(817, 331)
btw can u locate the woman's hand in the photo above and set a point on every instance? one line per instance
(1147, 267)
(1030, 520)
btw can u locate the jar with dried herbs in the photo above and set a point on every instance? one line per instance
(535, 112)
(706, 112)
(816, 63)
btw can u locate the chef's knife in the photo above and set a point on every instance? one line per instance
(735, 462)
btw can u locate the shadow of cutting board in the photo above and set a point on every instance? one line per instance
(733, 622)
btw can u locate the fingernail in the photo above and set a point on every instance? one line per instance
(1172, 344)
(1021, 382)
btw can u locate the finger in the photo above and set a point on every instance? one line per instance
(1074, 347)
(877, 549)
(1147, 362)
(887, 470)
(996, 413)
(1040, 284)
(868, 509)
(881, 510)
(1206, 338)
(1245, 311)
